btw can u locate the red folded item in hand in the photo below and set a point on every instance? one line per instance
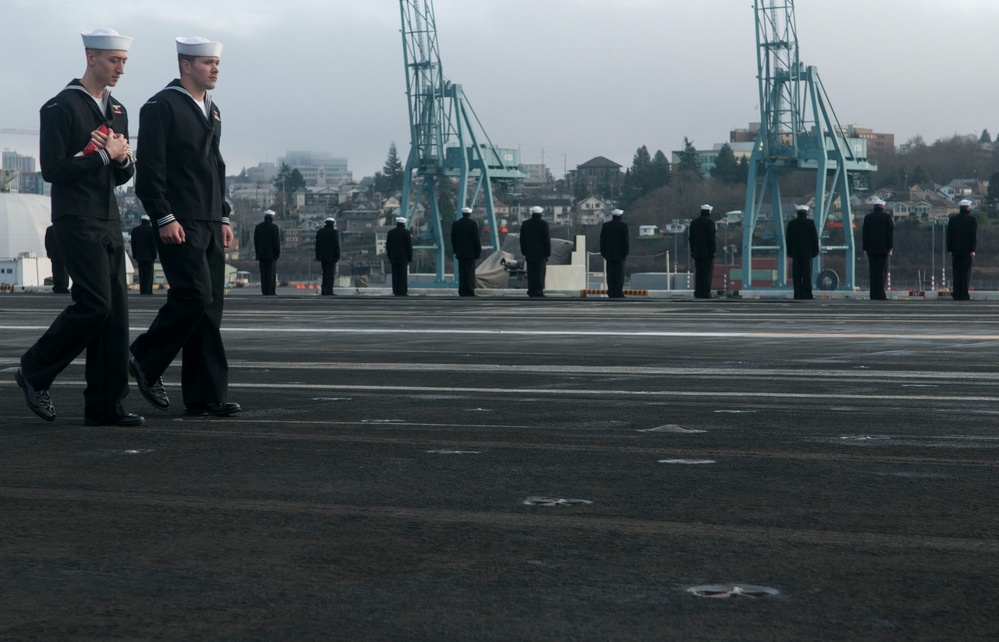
(90, 149)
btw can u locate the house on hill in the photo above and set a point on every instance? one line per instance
(598, 171)
(593, 211)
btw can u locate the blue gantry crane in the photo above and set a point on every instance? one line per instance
(799, 131)
(447, 139)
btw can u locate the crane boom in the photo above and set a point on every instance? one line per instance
(799, 131)
(446, 138)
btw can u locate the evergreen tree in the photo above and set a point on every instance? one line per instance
(919, 176)
(289, 180)
(295, 181)
(743, 170)
(689, 166)
(992, 196)
(726, 168)
(393, 171)
(660, 173)
(629, 190)
(640, 174)
(283, 173)
(986, 137)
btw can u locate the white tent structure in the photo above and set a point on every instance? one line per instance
(23, 221)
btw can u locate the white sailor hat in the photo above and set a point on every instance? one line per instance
(800, 208)
(400, 219)
(144, 217)
(330, 219)
(466, 210)
(269, 212)
(965, 203)
(105, 38)
(617, 212)
(707, 207)
(877, 202)
(537, 210)
(198, 46)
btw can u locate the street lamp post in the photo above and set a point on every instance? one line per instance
(676, 228)
(676, 265)
(943, 253)
(933, 255)
(686, 228)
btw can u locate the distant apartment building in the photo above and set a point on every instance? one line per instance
(312, 201)
(262, 173)
(318, 168)
(876, 142)
(537, 175)
(258, 196)
(747, 135)
(13, 163)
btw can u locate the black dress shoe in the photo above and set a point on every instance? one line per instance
(38, 400)
(131, 419)
(219, 409)
(153, 393)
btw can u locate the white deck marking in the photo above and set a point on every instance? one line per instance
(578, 333)
(603, 392)
(493, 369)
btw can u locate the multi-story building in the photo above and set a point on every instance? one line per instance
(358, 224)
(537, 175)
(556, 210)
(258, 196)
(598, 171)
(318, 168)
(316, 201)
(262, 173)
(706, 157)
(747, 135)
(593, 211)
(24, 166)
(876, 142)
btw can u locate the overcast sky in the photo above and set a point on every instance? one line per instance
(565, 80)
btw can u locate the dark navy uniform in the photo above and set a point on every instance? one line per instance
(144, 253)
(60, 277)
(267, 245)
(87, 230)
(536, 246)
(614, 247)
(802, 246)
(466, 242)
(879, 238)
(399, 248)
(328, 254)
(181, 177)
(962, 240)
(703, 248)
